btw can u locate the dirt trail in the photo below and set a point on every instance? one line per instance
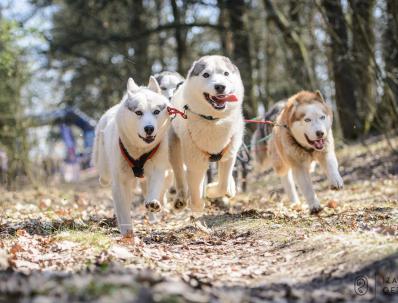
(61, 243)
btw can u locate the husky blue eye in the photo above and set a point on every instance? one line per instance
(206, 75)
(323, 117)
(138, 113)
(156, 112)
(307, 120)
(226, 73)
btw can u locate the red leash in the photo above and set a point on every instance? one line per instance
(259, 121)
(174, 111)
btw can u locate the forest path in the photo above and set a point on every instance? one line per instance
(61, 243)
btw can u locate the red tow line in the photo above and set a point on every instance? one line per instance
(174, 111)
(260, 121)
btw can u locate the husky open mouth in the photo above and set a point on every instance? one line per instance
(318, 144)
(148, 139)
(218, 102)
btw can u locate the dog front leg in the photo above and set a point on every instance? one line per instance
(330, 166)
(303, 178)
(155, 188)
(290, 188)
(177, 163)
(225, 184)
(195, 186)
(122, 196)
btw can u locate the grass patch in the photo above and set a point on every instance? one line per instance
(93, 239)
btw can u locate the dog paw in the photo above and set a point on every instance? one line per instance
(179, 202)
(315, 210)
(197, 207)
(296, 206)
(336, 183)
(126, 229)
(152, 206)
(213, 191)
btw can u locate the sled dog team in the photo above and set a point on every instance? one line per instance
(176, 126)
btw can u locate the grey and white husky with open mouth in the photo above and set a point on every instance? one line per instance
(212, 98)
(131, 142)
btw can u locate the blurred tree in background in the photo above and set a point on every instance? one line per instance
(280, 47)
(346, 48)
(13, 76)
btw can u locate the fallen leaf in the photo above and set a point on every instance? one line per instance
(332, 204)
(21, 232)
(16, 248)
(127, 239)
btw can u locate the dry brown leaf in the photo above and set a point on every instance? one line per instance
(127, 239)
(332, 204)
(16, 248)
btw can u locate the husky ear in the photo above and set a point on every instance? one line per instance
(197, 67)
(319, 94)
(132, 86)
(153, 85)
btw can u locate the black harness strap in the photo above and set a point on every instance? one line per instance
(137, 165)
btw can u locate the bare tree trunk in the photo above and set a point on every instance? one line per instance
(241, 55)
(224, 31)
(390, 54)
(364, 60)
(302, 71)
(160, 39)
(180, 39)
(141, 45)
(342, 68)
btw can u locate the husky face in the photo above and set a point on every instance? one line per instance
(143, 112)
(311, 125)
(169, 82)
(211, 81)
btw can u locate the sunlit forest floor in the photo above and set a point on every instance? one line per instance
(60, 243)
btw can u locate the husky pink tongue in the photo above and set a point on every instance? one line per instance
(319, 143)
(225, 98)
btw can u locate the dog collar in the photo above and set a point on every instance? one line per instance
(211, 157)
(137, 165)
(209, 118)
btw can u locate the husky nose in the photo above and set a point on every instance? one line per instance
(319, 133)
(149, 129)
(219, 88)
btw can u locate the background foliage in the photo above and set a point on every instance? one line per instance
(346, 48)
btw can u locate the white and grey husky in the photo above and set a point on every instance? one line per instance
(131, 142)
(212, 98)
(169, 82)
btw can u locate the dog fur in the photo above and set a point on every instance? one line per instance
(259, 140)
(303, 134)
(127, 120)
(193, 138)
(169, 82)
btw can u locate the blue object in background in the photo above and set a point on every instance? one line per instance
(66, 117)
